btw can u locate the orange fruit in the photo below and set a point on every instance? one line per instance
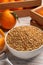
(2, 33)
(19, 0)
(20, 8)
(0, 1)
(7, 20)
(5, 0)
(2, 43)
(40, 11)
(11, 0)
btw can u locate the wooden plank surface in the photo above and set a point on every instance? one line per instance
(24, 12)
(21, 13)
(28, 3)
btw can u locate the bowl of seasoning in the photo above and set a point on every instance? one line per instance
(24, 41)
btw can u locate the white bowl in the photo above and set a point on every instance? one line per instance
(23, 54)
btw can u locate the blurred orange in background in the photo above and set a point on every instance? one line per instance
(4, 1)
(11, 0)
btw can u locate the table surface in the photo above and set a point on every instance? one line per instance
(38, 60)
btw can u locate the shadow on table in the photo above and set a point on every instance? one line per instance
(18, 61)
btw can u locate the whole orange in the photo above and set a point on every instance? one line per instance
(7, 20)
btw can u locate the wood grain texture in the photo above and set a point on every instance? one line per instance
(21, 13)
(28, 3)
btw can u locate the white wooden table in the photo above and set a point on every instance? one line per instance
(38, 60)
